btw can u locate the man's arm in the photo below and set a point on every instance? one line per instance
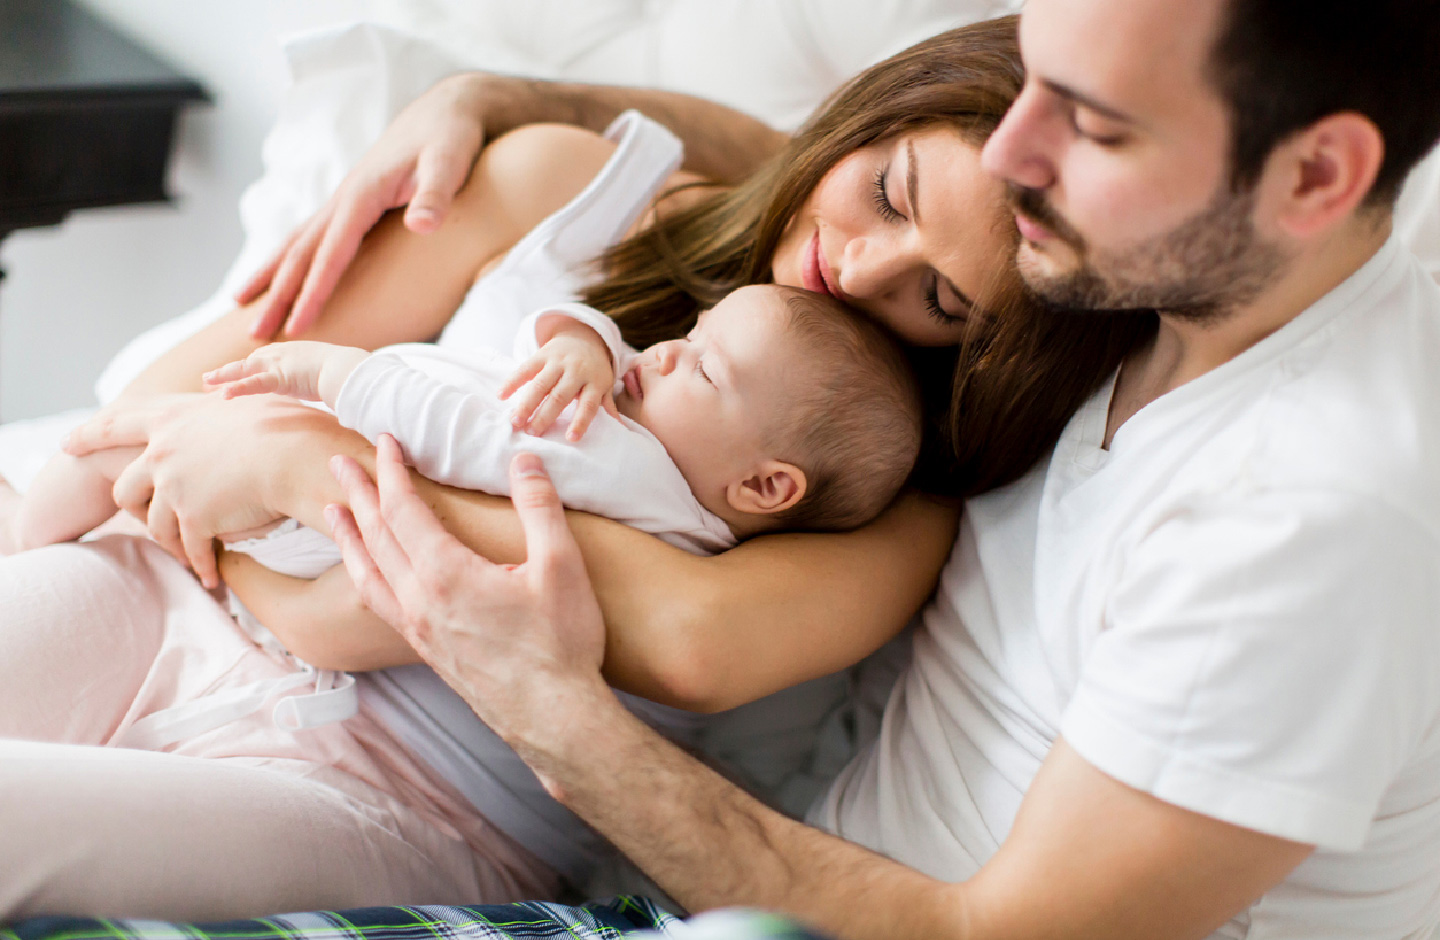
(424, 157)
(1087, 856)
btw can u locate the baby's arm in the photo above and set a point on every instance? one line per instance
(71, 496)
(573, 361)
(306, 370)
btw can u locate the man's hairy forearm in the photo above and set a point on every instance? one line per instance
(721, 847)
(721, 143)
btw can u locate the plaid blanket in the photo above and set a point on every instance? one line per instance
(597, 920)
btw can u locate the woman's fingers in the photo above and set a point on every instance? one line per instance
(199, 551)
(134, 488)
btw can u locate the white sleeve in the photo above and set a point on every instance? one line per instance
(448, 419)
(1268, 661)
(444, 411)
(527, 343)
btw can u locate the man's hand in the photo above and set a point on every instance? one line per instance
(421, 161)
(306, 370)
(509, 638)
(574, 364)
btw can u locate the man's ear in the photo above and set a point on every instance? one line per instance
(1325, 172)
(774, 487)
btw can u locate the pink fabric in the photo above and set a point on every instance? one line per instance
(242, 820)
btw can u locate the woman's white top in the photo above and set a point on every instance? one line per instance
(1235, 608)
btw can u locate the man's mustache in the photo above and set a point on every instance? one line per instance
(1032, 203)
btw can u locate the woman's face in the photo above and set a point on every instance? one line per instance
(909, 229)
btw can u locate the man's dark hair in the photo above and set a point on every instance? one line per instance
(1281, 66)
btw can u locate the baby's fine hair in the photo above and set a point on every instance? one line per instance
(855, 423)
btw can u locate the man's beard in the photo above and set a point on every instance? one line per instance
(1202, 269)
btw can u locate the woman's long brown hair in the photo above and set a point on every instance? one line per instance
(997, 403)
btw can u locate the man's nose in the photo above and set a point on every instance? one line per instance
(1018, 150)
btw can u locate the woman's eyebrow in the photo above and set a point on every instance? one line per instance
(912, 181)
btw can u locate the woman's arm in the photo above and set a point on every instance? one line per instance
(704, 633)
(403, 287)
(424, 156)
(321, 621)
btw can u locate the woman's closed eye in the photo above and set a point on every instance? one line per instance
(932, 305)
(881, 198)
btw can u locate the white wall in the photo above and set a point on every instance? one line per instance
(75, 293)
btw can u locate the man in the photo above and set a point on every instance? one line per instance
(1181, 679)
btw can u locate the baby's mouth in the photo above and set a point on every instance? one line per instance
(631, 382)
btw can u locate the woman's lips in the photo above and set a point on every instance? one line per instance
(632, 382)
(815, 273)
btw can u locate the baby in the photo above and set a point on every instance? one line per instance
(781, 409)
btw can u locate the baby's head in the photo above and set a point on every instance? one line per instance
(782, 409)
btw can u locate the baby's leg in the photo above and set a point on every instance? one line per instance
(71, 496)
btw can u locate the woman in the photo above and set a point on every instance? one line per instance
(840, 210)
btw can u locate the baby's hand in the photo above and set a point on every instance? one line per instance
(573, 364)
(306, 370)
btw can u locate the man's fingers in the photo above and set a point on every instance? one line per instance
(375, 590)
(550, 547)
(440, 171)
(261, 279)
(337, 248)
(289, 275)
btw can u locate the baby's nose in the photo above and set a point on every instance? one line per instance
(665, 356)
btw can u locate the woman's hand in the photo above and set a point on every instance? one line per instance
(508, 638)
(193, 481)
(573, 365)
(421, 161)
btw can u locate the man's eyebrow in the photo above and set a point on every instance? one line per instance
(912, 181)
(1088, 101)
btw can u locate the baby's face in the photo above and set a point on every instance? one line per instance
(710, 397)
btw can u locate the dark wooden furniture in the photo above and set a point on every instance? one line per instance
(87, 117)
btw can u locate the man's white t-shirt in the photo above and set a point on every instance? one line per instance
(1235, 608)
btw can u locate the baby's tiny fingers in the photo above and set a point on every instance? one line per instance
(260, 384)
(527, 371)
(566, 391)
(229, 372)
(528, 399)
(585, 410)
(608, 403)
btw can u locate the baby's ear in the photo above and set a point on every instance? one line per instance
(775, 486)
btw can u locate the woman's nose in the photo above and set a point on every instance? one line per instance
(873, 265)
